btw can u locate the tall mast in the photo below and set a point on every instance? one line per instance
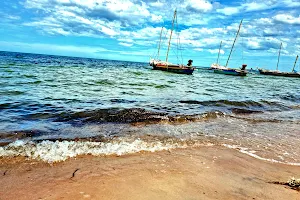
(159, 42)
(295, 63)
(234, 42)
(175, 12)
(279, 56)
(219, 52)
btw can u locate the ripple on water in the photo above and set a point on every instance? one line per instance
(78, 92)
(11, 93)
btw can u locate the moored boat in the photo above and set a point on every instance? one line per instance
(169, 67)
(276, 72)
(233, 72)
(217, 65)
(158, 64)
(279, 73)
(225, 69)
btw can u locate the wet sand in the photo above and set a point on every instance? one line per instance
(193, 173)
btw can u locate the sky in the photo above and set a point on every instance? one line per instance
(130, 30)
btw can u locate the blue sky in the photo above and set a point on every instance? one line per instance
(129, 29)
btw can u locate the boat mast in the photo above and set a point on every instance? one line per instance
(159, 42)
(278, 56)
(234, 42)
(175, 12)
(219, 52)
(295, 63)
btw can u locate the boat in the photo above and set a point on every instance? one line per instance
(233, 72)
(276, 72)
(253, 71)
(158, 64)
(217, 65)
(225, 69)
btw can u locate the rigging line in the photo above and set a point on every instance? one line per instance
(242, 50)
(176, 28)
(178, 43)
(178, 39)
(175, 13)
(180, 52)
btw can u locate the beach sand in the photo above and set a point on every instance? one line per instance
(192, 173)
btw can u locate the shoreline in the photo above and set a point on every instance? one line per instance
(193, 173)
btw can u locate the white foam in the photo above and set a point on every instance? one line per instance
(49, 151)
(251, 153)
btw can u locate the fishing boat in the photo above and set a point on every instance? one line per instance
(225, 69)
(217, 65)
(158, 64)
(276, 72)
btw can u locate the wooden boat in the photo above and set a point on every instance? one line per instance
(217, 65)
(225, 69)
(253, 71)
(279, 73)
(158, 64)
(233, 72)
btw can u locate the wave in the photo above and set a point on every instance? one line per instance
(58, 151)
(244, 111)
(11, 93)
(249, 153)
(131, 115)
(49, 151)
(224, 103)
(290, 97)
(105, 82)
(242, 107)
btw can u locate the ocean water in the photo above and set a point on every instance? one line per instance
(54, 107)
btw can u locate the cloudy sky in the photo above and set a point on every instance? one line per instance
(130, 29)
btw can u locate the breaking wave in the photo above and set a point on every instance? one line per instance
(131, 115)
(50, 151)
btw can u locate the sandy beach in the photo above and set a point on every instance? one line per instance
(192, 173)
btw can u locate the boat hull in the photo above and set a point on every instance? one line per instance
(275, 73)
(232, 72)
(175, 69)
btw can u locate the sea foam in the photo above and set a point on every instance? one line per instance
(252, 154)
(57, 151)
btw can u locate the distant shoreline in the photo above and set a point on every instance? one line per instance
(71, 56)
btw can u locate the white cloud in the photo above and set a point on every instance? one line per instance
(264, 5)
(254, 6)
(126, 40)
(198, 5)
(216, 51)
(55, 47)
(205, 23)
(253, 44)
(13, 17)
(156, 4)
(264, 21)
(125, 44)
(286, 18)
(156, 18)
(4, 15)
(229, 10)
(198, 49)
(292, 3)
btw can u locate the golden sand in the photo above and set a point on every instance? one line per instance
(194, 173)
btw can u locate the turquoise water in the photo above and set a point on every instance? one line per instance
(50, 97)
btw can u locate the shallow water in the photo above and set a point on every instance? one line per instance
(63, 98)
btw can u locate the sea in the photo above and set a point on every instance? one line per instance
(53, 108)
